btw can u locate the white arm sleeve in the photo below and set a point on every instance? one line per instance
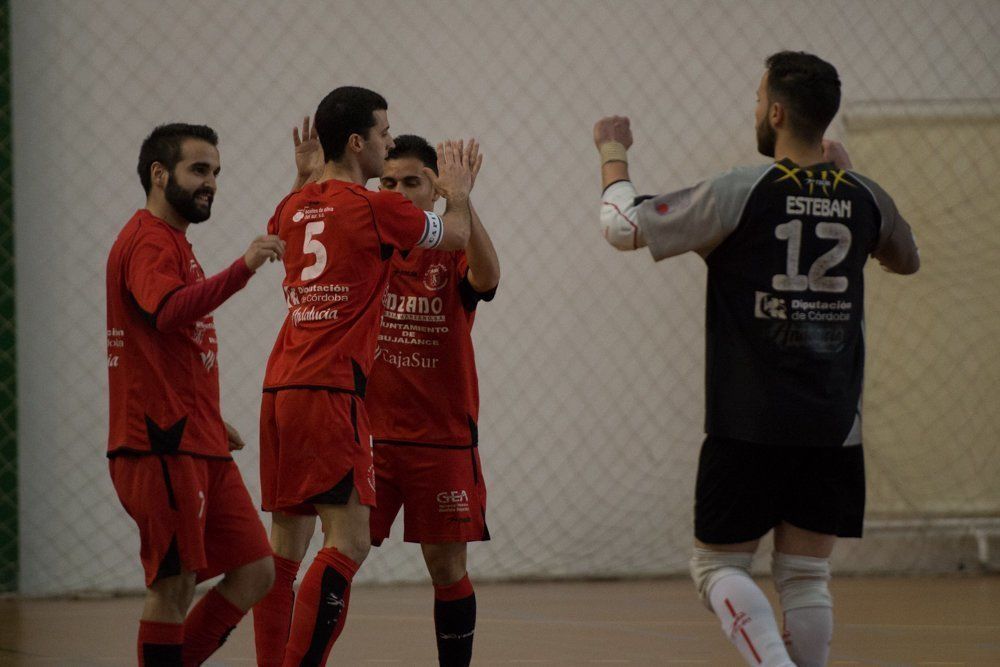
(618, 217)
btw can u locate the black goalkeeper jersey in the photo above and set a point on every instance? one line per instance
(785, 247)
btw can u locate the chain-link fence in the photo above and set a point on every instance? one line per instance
(591, 361)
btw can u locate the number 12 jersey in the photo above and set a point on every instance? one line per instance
(785, 247)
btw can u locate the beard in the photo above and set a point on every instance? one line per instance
(766, 138)
(186, 203)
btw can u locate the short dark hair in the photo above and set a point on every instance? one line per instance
(163, 145)
(345, 111)
(808, 86)
(410, 145)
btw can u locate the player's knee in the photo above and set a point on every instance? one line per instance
(445, 571)
(801, 581)
(708, 566)
(249, 584)
(355, 547)
(263, 577)
(172, 594)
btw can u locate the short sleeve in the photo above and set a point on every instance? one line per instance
(886, 208)
(698, 218)
(399, 223)
(273, 225)
(680, 221)
(469, 295)
(154, 270)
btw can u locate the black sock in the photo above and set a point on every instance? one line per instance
(455, 622)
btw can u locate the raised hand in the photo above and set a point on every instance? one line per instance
(454, 178)
(613, 128)
(474, 159)
(262, 249)
(308, 151)
(834, 151)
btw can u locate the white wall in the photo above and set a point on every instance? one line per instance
(590, 360)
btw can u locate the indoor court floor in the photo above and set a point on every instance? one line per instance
(880, 621)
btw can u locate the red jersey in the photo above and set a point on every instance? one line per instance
(424, 386)
(163, 385)
(339, 239)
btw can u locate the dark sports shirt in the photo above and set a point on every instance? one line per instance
(785, 247)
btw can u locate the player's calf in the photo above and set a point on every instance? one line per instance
(454, 602)
(801, 582)
(161, 628)
(320, 610)
(290, 536)
(724, 584)
(217, 613)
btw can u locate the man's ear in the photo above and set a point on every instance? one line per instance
(776, 115)
(159, 175)
(355, 143)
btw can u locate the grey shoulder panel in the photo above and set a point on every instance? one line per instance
(732, 190)
(698, 218)
(883, 202)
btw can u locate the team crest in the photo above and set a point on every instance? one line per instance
(436, 277)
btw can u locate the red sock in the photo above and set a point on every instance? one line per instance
(272, 616)
(160, 644)
(207, 626)
(320, 608)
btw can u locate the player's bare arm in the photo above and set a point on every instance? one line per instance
(309, 159)
(898, 252)
(484, 266)
(453, 182)
(613, 138)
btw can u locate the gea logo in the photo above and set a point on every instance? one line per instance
(446, 497)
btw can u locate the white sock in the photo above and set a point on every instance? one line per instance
(748, 620)
(808, 631)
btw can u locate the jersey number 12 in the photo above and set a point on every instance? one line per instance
(816, 280)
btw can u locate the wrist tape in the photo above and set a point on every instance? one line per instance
(613, 151)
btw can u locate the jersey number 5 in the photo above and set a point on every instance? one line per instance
(817, 280)
(313, 246)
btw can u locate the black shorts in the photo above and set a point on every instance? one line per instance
(745, 489)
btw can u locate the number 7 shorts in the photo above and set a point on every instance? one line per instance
(194, 514)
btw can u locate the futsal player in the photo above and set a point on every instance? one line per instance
(785, 244)
(316, 451)
(168, 446)
(427, 446)
(426, 450)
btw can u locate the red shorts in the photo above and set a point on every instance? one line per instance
(310, 440)
(441, 487)
(193, 514)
